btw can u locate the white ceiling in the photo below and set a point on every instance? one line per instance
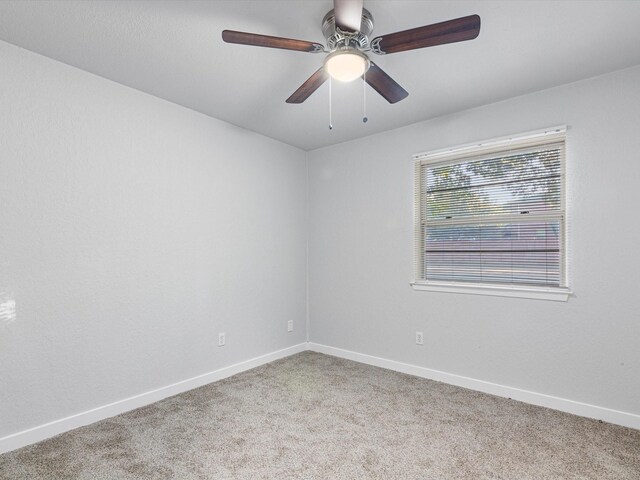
(173, 49)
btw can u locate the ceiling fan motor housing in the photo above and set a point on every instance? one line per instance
(338, 40)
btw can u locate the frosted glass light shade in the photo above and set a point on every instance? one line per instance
(346, 66)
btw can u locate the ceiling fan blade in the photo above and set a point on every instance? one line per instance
(384, 84)
(243, 38)
(457, 30)
(348, 14)
(311, 85)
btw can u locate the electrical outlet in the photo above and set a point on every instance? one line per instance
(290, 326)
(419, 338)
(222, 339)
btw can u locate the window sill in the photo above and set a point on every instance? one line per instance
(557, 294)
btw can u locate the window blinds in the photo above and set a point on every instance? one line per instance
(494, 214)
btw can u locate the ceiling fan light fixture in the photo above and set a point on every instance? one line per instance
(346, 65)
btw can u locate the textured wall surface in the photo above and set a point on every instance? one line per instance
(132, 231)
(361, 252)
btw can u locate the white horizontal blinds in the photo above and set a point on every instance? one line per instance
(528, 181)
(496, 218)
(518, 253)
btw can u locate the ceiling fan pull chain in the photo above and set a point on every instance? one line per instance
(330, 124)
(364, 97)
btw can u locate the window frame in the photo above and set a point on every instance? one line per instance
(489, 149)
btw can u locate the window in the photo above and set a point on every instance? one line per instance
(490, 218)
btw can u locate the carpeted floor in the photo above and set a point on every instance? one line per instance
(312, 416)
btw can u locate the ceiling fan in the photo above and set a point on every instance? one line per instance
(347, 29)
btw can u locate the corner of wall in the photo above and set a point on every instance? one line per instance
(308, 319)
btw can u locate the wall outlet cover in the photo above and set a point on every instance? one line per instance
(222, 340)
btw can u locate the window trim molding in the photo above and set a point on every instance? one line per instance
(559, 294)
(472, 150)
(492, 145)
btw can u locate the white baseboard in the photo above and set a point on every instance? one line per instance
(570, 406)
(42, 432)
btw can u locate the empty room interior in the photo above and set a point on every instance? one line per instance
(319, 239)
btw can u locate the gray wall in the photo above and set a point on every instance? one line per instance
(132, 231)
(361, 252)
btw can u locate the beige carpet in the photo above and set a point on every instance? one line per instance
(313, 416)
